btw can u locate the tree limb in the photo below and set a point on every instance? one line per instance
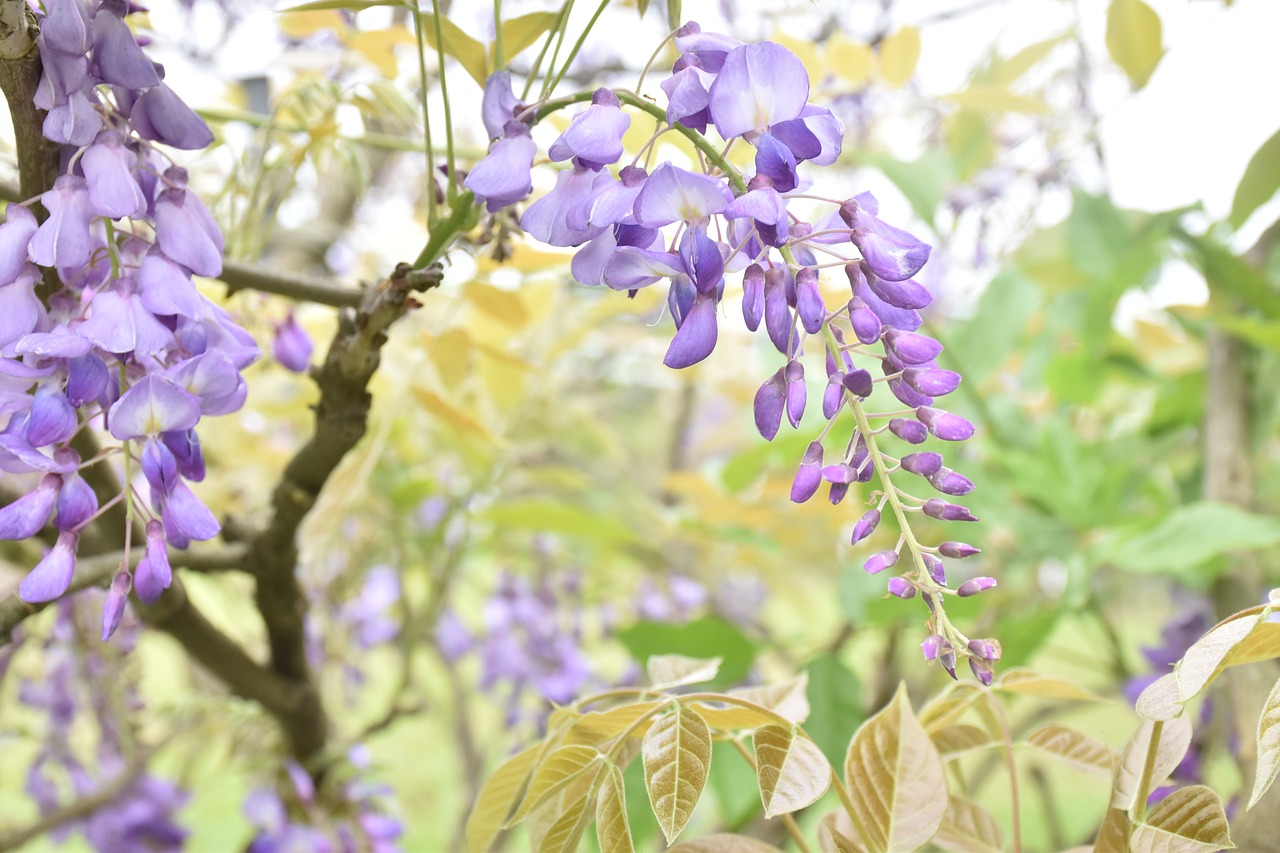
(242, 276)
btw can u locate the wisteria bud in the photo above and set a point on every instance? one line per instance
(929, 648)
(987, 649)
(907, 293)
(947, 657)
(865, 526)
(936, 570)
(982, 671)
(900, 587)
(796, 391)
(926, 463)
(931, 381)
(907, 395)
(912, 432)
(840, 473)
(753, 296)
(975, 586)
(837, 492)
(910, 347)
(859, 383)
(949, 482)
(957, 550)
(113, 610)
(833, 396)
(809, 304)
(940, 509)
(879, 561)
(809, 475)
(944, 425)
(866, 325)
(768, 404)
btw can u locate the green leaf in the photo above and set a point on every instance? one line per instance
(497, 797)
(1031, 683)
(959, 738)
(471, 54)
(979, 346)
(896, 779)
(835, 704)
(668, 671)
(1175, 738)
(1074, 748)
(519, 33)
(1190, 820)
(1193, 534)
(923, 181)
(566, 831)
(1260, 182)
(791, 769)
(675, 16)
(1268, 746)
(702, 638)
(1134, 39)
(561, 767)
(677, 755)
(969, 828)
(736, 793)
(1228, 274)
(554, 517)
(612, 830)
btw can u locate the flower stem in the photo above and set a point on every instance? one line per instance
(452, 192)
(426, 121)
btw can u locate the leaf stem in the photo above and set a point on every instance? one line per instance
(452, 192)
(426, 121)
(577, 46)
(1148, 770)
(499, 57)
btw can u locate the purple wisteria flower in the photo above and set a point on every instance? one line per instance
(127, 342)
(695, 228)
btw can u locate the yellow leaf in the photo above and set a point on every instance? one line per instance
(1075, 748)
(723, 842)
(519, 33)
(599, 726)
(668, 671)
(791, 769)
(1175, 738)
(733, 717)
(959, 738)
(612, 830)
(505, 306)
(852, 60)
(899, 54)
(677, 755)
(788, 699)
(470, 53)
(1159, 701)
(379, 47)
(1190, 820)
(566, 831)
(1031, 683)
(1134, 39)
(454, 417)
(497, 798)
(896, 779)
(450, 354)
(300, 25)
(1263, 643)
(1113, 835)
(1208, 655)
(834, 834)
(969, 828)
(560, 768)
(948, 706)
(1268, 746)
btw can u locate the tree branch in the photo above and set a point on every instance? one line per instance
(241, 276)
(83, 807)
(19, 75)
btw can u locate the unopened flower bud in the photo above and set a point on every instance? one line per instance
(929, 648)
(936, 570)
(865, 526)
(753, 296)
(866, 325)
(947, 657)
(859, 383)
(975, 586)
(940, 509)
(837, 492)
(833, 396)
(809, 475)
(113, 609)
(901, 588)
(809, 304)
(880, 561)
(912, 432)
(910, 347)
(768, 405)
(931, 381)
(949, 482)
(987, 649)
(926, 463)
(957, 550)
(982, 671)
(796, 391)
(944, 425)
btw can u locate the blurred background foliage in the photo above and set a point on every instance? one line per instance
(527, 446)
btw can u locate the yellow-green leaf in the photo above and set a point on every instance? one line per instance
(677, 755)
(899, 53)
(787, 699)
(1190, 820)
(505, 306)
(1207, 655)
(667, 671)
(1134, 39)
(792, 771)
(612, 830)
(497, 797)
(561, 767)
(1175, 738)
(565, 833)
(896, 779)
(1031, 683)
(1260, 182)
(349, 5)
(989, 98)
(948, 706)
(1113, 835)
(599, 726)
(1263, 643)
(734, 717)
(834, 834)
(1159, 701)
(471, 54)
(969, 828)
(519, 33)
(1075, 748)
(723, 842)
(1268, 746)
(959, 738)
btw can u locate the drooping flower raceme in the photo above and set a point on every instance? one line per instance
(639, 223)
(124, 335)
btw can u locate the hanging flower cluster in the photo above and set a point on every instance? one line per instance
(643, 225)
(112, 331)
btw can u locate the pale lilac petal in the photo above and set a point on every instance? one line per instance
(74, 122)
(212, 377)
(499, 104)
(595, 135)
(188, 516)
(113, 608)
(76, 502)
(167, 288)
(153, 405)
(15, 235)
(672, 194)
(52, 420)
(25, 517)
(817, 136)
(631, 268)
(183, 235)
(64, 238)
(547, 219)
(759, 85)
(116, 52)
(696, 337)
(108, 168)
(503, 177)
(52, 575)
(20, 309)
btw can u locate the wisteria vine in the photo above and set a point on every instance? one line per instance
(653, 222)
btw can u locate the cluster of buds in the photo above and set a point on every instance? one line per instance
(640, 223)
(113, 331)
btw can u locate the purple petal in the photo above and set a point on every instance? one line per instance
(152, 406)
(768, 405)
(116, 52)
(64, 238)
(672, 194)
(504, 176)
(108, 169)
(809, 475)
(76, 502)
(185, 513)
(865, 526)
(52, 575)
(161, 116)
(183, 234)
(25, 517)
(809, 304)
(113, 608)
(595, 135)
(912, 432)
(753, 296)
(758, 85)
(15, 235)
(696, 337)
(499, 104)
(796, 391)
(52, 420)
(631, 268)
